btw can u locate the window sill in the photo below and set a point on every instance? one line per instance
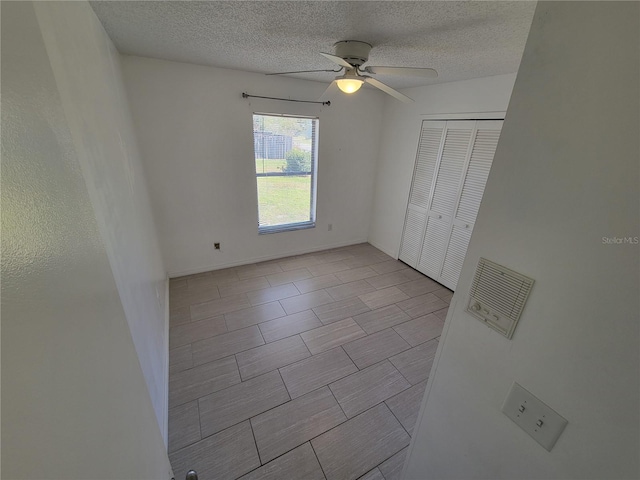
(289, 227)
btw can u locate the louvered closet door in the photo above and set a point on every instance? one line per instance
(444, 197)
(456, 251)
(429, 148)
(482, 150)
(452, 166)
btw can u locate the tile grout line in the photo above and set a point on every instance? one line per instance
(378, 466)
(286, 271)
(256, 376)
(274, 299)
(310, 308)
(401, 374)
(249, 418)
(403, 339)
(217, 314)
(370, 366)
(255, 442)
(205, 363)
(285, 385)
(318, 459)
(235, 353)
(349, 356)
(199, 419)
(283, 454)
(171, 452)
(219, 390)
(338, 402)
(273, 408)
(199, 428)
(325, 385)
(282, 366)
(409, 347)
(357, 256)
(216, 391)
(394, 415)
(355, 416)
(288, 336)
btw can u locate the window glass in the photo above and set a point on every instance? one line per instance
(285, 150)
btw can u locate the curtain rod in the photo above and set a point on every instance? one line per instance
(246, 95)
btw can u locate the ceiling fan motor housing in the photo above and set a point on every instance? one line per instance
(353, 51)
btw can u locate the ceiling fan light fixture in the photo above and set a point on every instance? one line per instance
(349, 83)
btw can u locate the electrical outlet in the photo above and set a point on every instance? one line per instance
(532, 415)
(330, 227)
(216, 246)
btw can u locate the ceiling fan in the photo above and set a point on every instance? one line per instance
(350, 55)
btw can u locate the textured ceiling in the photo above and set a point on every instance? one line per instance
(461, 40)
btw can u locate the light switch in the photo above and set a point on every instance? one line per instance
(535, 417)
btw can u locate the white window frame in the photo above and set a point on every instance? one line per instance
(311, 223)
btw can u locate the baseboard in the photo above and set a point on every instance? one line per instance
(165, 376)
(432, 377)
(384, 249)
(264, 258)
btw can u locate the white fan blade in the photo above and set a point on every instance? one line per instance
(335, 59)
(387, 89)
(303, 71)
(409, 71)
(329, 92)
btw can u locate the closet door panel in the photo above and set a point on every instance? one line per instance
(484, 148)
(428, 150)
(454, 256)
(435, 239)
(412, 236)
(454, 155)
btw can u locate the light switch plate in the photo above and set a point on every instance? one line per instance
(532, 415)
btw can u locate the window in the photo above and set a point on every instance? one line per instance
(286, 157)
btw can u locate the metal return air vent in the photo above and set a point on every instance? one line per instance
(498, 296)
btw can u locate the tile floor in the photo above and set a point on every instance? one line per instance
(308, 367)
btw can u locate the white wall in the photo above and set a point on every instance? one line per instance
(195, 134)
(566, 174)
(75, 403)
(87, 70)
(400, 135)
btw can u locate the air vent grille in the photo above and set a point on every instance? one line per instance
(498, 296)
